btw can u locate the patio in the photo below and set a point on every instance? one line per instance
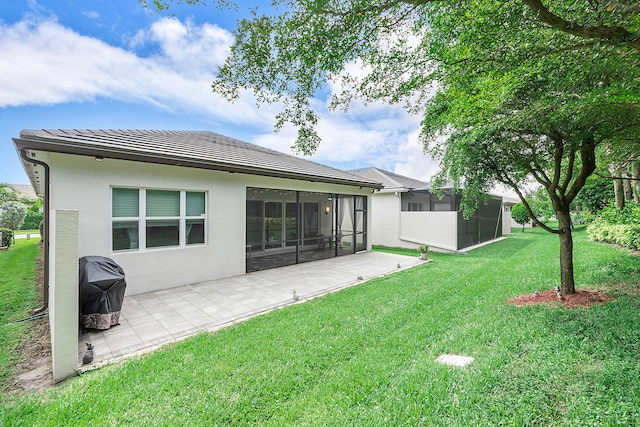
(152, 319)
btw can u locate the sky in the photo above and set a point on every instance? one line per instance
(111, 64)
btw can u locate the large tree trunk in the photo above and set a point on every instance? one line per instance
(567, 284)
(628, 189)
(618, 186)
(618, 191)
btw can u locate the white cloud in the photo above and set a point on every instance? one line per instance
(45, 63)
(190, 48)
(414, 162)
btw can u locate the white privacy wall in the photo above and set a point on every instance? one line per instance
(437, 229)
(84, 184)
(385, 213)
(395, 228)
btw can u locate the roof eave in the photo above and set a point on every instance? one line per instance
(58, 147)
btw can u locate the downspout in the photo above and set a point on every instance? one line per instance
(45, 238)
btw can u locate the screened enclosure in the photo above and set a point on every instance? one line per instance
(483, 225)
(285, 227)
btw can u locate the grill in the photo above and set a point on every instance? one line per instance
(102, 287)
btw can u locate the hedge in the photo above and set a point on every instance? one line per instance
(627, 235)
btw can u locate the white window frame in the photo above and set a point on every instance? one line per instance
(142, 219)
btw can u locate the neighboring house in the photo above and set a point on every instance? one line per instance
(25, 191)
(180, 207)
(408, 213)
(507, 221)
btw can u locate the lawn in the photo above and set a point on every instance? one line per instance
(17, 297)
(366, 355)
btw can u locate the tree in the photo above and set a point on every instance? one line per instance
(7, 193)
(540, 203)
(539, 108)
(612, 22)
(523, 90)
(596, 194)
(519, 214)
(12, 215)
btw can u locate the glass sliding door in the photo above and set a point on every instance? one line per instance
(273, 229)
(310, 223)
(255, 221)
(360, 223)
(285, 227)
(345, 224)
(291, 224)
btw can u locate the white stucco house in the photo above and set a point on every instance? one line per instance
(181, 207)
(408, 214)
(175, 208)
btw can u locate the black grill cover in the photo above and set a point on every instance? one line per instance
(102, 286)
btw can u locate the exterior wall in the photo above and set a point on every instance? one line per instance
(386, 220)
(437, 229)
(84, 184)
(506, 219)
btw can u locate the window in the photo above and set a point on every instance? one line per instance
(413, 207)
(156, 218)
(125, 208)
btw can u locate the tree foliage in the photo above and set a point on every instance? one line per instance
(509, 91)
(7, 193)
(540, 203)
(596, 194)
(12, 215)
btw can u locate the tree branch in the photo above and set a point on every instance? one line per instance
(588, 157)
(616, 177)
(567, 179)
(557, 163)
(614, 34)
(530, 211)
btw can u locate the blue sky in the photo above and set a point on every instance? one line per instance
(110, 64)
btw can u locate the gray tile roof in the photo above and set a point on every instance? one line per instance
(390, 180)
(25, 191)
(197, 149)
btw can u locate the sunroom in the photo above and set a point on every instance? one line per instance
(285, 227)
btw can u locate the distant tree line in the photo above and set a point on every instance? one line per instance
(17, 213)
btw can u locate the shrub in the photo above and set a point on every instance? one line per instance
(630, 214)
(619, 226)
(32, 220)
(7, 237)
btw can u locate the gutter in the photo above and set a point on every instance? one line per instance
(45, 237)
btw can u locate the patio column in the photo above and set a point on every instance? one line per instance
(64, 293)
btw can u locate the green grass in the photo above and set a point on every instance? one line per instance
(17, 298)
(366, 355)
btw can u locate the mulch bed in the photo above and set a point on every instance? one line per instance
(581, 298)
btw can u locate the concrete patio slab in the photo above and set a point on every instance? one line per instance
(152, 319)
